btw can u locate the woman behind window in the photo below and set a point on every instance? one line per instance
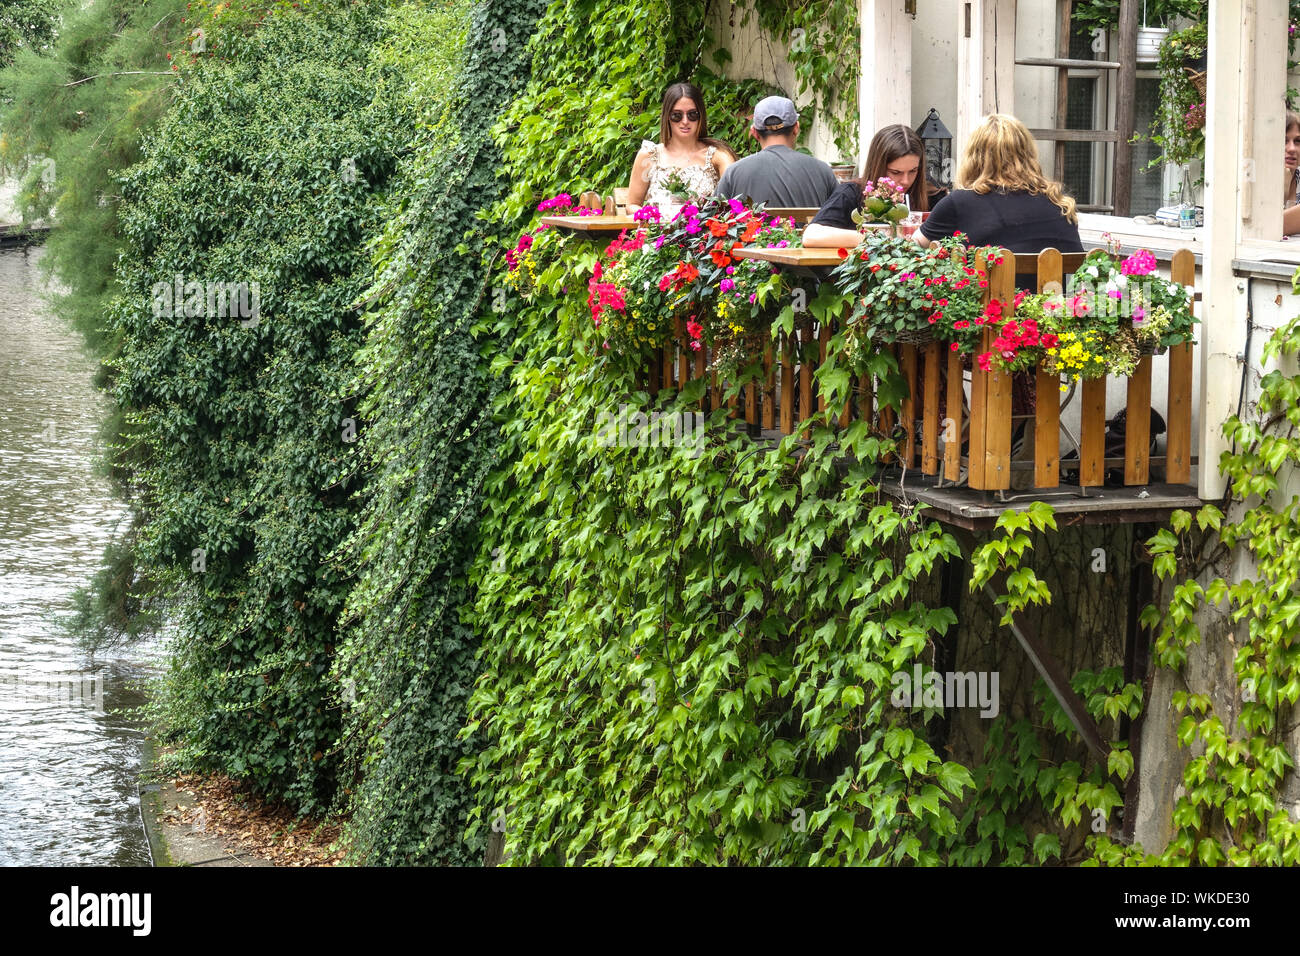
(685, 150)
(1004, 199)
(896, 152)
(1291, 157)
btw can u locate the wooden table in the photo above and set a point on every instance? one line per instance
(792, 256)
(592, 225)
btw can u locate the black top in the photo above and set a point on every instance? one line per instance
(1018, 221)
(837, 211)
(778, 176)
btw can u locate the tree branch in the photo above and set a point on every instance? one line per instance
(124, 73)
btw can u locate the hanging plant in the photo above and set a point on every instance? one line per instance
(1179, 126)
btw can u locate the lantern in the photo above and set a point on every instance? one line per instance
(938, 150)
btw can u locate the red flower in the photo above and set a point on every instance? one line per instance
(985, 360)
(844, 253)
(716, 228)
(953, 346)
(961, 324)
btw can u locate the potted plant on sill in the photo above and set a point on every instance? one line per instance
(1153, 23)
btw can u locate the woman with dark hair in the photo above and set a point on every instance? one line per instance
(685, 151)
(1291, 156)
(896, 152)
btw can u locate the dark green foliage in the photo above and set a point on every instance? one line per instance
(265, 171)
(429, 442)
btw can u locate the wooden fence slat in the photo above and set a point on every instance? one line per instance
(908, 361)
(886, 414)
(823, 340)
(1049, 268)
(979, 411)
(666, 367)
(930, 412)
(1137, 425)
(767, 392)
(787, 383)
(805, 372)
(1047, 429)
(1092, 433)
(683, 355)
(702, 371)
(1178, 444)
(952, 421)
(1047, 392)
(997, 470)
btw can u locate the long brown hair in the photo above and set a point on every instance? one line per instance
(692, 92)
(889, 144)
(1000, 154)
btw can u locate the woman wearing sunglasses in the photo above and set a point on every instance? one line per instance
(685, 153)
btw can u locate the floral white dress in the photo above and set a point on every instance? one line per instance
(700, 178)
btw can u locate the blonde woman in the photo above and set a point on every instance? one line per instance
(1003, 197)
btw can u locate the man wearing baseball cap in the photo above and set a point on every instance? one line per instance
(777, 175)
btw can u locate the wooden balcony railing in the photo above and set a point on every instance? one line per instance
(787, 393)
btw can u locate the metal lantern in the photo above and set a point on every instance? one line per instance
(938, 150)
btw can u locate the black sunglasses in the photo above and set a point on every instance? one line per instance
(676, 116)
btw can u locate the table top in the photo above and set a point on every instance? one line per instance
(792, 256)
(591, 224)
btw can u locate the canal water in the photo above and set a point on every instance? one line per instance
(69, 756)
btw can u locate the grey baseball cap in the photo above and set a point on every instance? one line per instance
(774, 113)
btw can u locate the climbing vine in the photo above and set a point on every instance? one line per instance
(688, 657)
(427, 440)
(1232, 808)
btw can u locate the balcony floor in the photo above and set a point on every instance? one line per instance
(979, 510)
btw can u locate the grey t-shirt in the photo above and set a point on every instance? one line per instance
(778, 176)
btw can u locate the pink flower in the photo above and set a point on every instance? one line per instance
(752, 298)
(731, 270)
(692, 226)
(726, 285)
(1139, 314)
(1141, 263)
(737, 207)
(985, 361)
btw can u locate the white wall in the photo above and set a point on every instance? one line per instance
(756, 55)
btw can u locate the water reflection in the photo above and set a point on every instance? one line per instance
(67, 772)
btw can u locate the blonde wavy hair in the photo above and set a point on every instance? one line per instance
(1001, 154)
